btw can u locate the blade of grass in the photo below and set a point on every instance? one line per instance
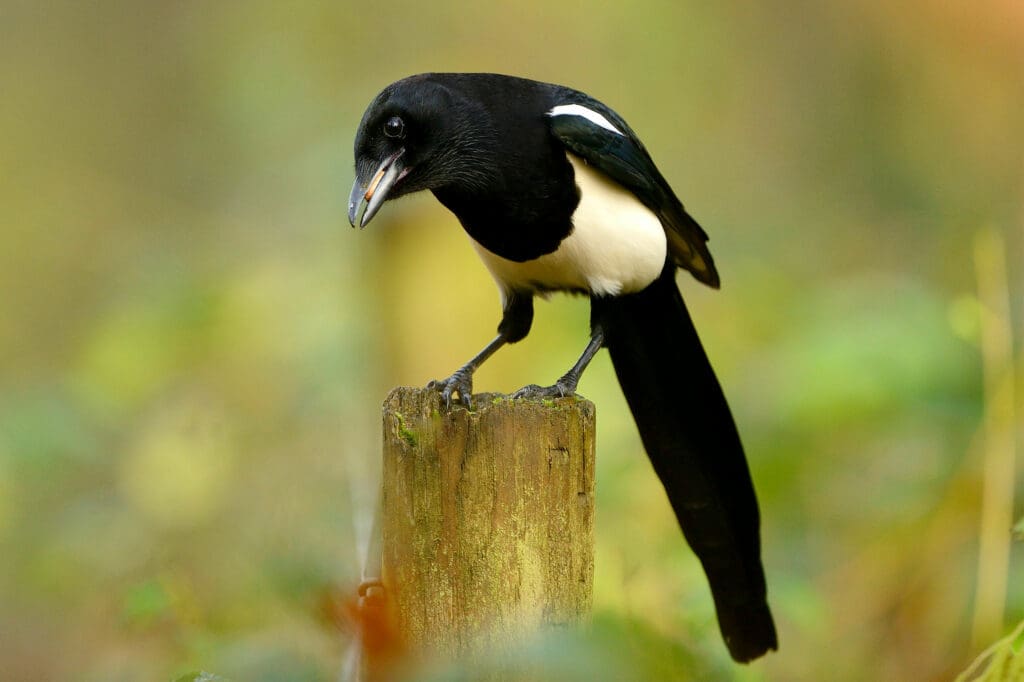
(1001, 662)
(999, 424)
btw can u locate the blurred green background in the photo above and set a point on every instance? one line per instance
(195, 345)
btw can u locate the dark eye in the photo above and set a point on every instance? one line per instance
(394, 127)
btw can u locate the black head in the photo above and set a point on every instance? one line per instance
(418, 133)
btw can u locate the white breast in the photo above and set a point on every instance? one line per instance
(617, 245)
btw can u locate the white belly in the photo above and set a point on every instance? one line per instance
(617, 245)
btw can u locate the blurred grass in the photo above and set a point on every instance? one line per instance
(196, 346)
(1001, 662)
(999, 436)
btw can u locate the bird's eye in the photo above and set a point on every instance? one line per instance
(394, 127)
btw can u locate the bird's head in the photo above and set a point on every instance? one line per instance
(417, 134)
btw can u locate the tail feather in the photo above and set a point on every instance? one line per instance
(691, 439)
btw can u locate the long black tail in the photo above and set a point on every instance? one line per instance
(690, 436)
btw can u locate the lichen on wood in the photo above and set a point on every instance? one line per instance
(488, 519)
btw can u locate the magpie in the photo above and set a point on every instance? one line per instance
(557, 193)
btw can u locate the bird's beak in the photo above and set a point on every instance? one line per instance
(376, 190)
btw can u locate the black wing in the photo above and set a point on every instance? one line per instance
(615, 150)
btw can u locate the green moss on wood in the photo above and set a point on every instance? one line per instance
(405, 433)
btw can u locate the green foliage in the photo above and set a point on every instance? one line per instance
(200, 676)
(613, 649)
(147, 602)
(1002, 662)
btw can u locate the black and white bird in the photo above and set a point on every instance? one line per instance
(557, 193)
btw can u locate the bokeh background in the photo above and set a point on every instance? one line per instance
(194, 345)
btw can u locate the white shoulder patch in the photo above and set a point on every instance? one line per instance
(589, 114)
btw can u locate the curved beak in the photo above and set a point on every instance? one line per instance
(374, 192)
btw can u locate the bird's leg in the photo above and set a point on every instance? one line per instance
(516, 319)
(461, 382)
(567, 384)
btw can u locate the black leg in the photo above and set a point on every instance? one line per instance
(567, 384)
(516, 319)
(461, 382)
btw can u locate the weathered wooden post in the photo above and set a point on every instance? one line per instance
(488, 519)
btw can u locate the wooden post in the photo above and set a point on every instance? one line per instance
(488, 519)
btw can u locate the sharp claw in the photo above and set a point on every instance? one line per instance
(524, 392)
(457, 383)
(559, 390)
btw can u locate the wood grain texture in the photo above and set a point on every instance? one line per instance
(488, 519)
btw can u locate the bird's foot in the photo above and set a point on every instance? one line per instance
(560, 389)
(460, 383)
